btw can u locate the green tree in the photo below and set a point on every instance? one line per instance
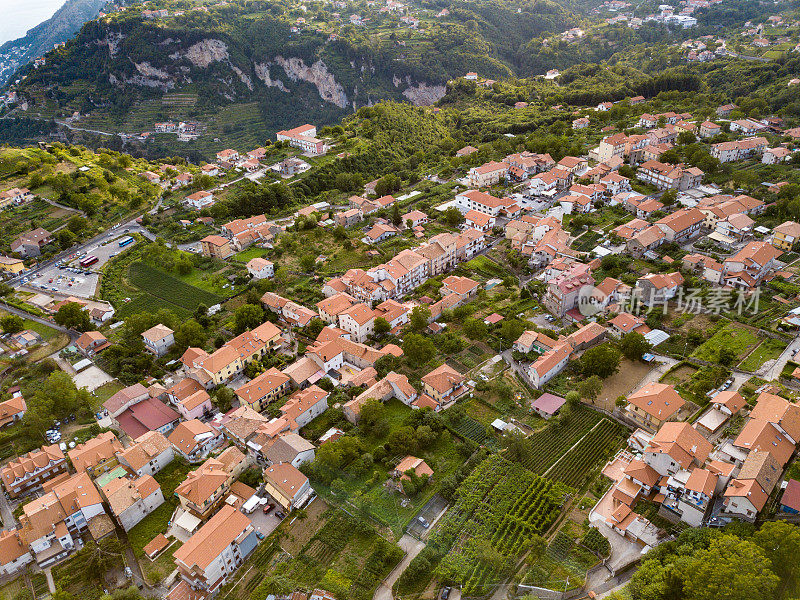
(223, 398)
(12, 323)
(190, 334)
(247, 316)
(633, 345)
(781, 544)
(730, 569)
(418, 349)
(420, 317)
(72, 316)
(591, 387)
(382, 326)
(475, 329)
(602, 360)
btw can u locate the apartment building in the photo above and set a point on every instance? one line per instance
(27, 472)
(149, 453)
(213, 553)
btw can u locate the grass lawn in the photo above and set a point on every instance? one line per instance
(250, 253)
(768, 349)
(105, 391)
(732, 336)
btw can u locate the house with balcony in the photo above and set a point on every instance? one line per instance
(148, 454)
(209, 558)
(193, 440)
(158, 339)
(29, 471)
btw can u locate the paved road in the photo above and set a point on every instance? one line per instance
(5, 511)
(412, 547)
(665, 363)
(772, 371)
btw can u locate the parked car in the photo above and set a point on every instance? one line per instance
(268, 508)
(445, 593)
(128, 572)
(280, 515)
(423, 522)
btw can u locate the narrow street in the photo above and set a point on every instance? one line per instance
(412, 547)
(5, 511)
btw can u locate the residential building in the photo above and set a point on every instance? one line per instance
(200, 200)
(213, 553)
(52, 524)
(785, 235)
(12, 410)
(260, 268)
(290, 448)
(488, 174)
(549, 364)
(97, 455)
(263, 389)
(125, 398)
(31, 243)
(91, 343)
(131, 500)
(658, 288)
(15, 266)
(654, 404)
(303, 137)
(358, 321)
(27, 472)
(148, 415)
(194, 439)
(287, 485)
(681, 225)
(216, 246)
(665, 176)
(204, 488)
(158, 339)
(149, 453)
(444, 384)
(14, 553)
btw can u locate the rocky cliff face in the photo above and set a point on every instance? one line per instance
(423, 94)
(206, 52)
(318, 75)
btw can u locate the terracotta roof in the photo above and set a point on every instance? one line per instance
(681, 442)
(156, 545)
(146, 447)
(184, 435)
(94, 451)
(286, 478)
(11, 546)
(212, 538)
(443, 378)
(157, 333)
(148, 415)
(125, 396)
(264, 384)
(775, 409)
(702, 480)
(731, 400)
(762, 435)
(20, 466)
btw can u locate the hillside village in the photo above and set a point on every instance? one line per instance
(407, 356)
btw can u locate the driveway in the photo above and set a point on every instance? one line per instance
(663, 364)
(412, 547)
(772, 369)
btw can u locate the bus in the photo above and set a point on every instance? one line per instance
(89, 260)
(125, 241)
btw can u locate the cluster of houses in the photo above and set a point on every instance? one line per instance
(695, 473)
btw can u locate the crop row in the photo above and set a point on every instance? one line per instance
(541, 450)
(574, 466)
(168, 288)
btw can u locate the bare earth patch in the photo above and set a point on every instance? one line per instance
(622, 382)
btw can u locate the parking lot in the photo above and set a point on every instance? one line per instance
(73, 280)
(266, 524)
